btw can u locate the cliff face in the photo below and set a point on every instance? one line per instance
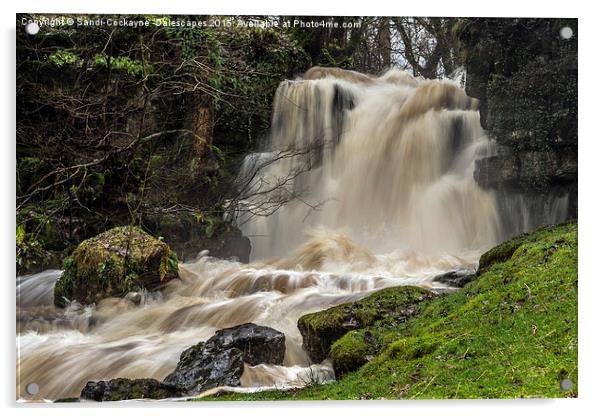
(525, 75)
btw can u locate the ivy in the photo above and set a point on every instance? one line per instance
(63, 57)
(123, 63)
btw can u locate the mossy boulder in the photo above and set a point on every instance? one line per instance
(322, 329)
(114, 263)
(352, 351)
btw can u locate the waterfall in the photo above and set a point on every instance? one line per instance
(388, 161)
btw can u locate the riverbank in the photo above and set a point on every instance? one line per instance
(512, 332)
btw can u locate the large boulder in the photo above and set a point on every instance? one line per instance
(200, 369)
(392, 305)
(259, 344)
(114, 263)
(220, 360)
(126, 389)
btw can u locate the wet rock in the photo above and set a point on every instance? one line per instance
(134, 297)
(200, 369)
(126, 389)
(526, 170)
(392, 305)
(458, 278)
(220, 360)
(259, 344)
(188, 236)
(114, 263)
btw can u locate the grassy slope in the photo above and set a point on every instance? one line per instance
(510, 333)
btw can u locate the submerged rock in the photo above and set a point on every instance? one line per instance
(321, 329)
(114, 263)
(220, 361)
(458, 278)
(134, 297)
(126, 389)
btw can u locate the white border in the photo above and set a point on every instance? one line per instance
(590, 154)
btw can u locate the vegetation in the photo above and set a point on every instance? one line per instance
(125, 126)
(114, 263)
(148, 126)
(512, 332)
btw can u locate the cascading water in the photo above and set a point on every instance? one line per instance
(390, 161)
(367, 181)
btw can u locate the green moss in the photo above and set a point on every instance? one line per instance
(384, 308)
(412, 347)
(350, 352)
(506, 250)
(113, 263)
(380, 306)
(510, 333)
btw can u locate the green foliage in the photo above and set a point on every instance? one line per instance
(63, 57)
(30, 252)
(510, 333)
(122, 63)
(71, 82)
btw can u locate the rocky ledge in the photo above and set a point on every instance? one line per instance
(324, 332)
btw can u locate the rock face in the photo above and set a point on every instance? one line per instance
(527, 169)
(114, 263)
(527, 89)
(220, 360)
(187, 236)
(321, 329)
(125, 389)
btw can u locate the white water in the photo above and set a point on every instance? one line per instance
(389, 161)
(377, 174)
